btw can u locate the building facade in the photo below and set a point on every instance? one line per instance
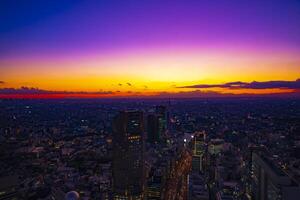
(128, 156)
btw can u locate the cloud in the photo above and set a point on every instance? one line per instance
(99, 92)
(23, 90)
(213, 94)
(120, 84)
(252, 85)
(191, 94)
(2, 82)
(129, 84)
(29, 90)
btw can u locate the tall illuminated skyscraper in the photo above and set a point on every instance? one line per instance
(128, 156)
(199, 148)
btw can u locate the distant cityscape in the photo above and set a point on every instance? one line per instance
(149, 100)
(150, 149)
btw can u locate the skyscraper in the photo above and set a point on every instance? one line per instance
(199, 149)
(153, 128)
(162, 114)
(128, 156)
(271, 182)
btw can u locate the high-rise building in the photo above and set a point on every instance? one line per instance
(199, 149)
(215, 146)
(155, 184)
(162, 110)
(128, 156)
(163, 116)
(153, 128)
(270, 182)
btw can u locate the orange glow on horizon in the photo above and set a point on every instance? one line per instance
(150, 73)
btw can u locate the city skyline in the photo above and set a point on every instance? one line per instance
(149, 48)
(150, 99)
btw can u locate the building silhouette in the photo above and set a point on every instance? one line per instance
(199, 151)
(153, 131)
(271, 182)
(163, 117)
(128, 156)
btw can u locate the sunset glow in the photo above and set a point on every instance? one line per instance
(150, 52)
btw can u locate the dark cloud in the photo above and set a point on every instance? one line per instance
(251, 85)
(213, 94)
(120, 84)
(100, 92)
(2, 82)
(29, 90)
(24, 90)
(129, 84)
(190, 94)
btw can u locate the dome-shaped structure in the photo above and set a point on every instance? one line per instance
(72, 195)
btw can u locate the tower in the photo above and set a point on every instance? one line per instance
(199, 150)
(153, 128)
(128, 156)
(162, 114)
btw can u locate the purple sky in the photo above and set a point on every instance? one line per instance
(157, 45)
(33, 28)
